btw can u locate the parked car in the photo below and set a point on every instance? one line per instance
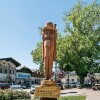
(88, 83)
(73, 84)
(96, 87)
(69, 85)
(60, 85)
(28, 86)
(32, 89)
(23, 86)
(66, 85)
(4, 85)
(15, 87)
(78, 85)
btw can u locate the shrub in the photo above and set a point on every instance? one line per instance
(12, 95)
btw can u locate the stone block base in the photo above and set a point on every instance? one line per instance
(48, 98)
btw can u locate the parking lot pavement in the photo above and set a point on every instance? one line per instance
(89, 93)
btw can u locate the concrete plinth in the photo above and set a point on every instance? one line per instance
(48, 90)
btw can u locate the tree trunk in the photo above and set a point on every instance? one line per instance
(81, 80)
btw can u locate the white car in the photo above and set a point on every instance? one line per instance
(15, 87)
(32, 89)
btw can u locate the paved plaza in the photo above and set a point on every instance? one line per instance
(89, 93)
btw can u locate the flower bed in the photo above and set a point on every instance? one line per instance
(12, 95)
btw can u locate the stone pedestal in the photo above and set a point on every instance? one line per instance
(48, 90)
(48, 98)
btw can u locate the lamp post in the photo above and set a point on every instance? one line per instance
(55, 71)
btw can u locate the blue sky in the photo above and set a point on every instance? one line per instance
(19, 22)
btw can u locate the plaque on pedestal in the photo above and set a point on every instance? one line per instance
(47, 91)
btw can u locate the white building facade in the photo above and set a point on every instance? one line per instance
(70, 77)
(8, 70)
(23, 78)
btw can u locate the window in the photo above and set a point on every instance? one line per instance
(13, 72)
(9, 71)
(8, 65)
(5, 71)
(72, 79)
(0, 70)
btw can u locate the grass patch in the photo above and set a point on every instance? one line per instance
(65, 98)
(73, 98)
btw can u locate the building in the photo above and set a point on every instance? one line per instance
(71, 77)
(37, 76)
(12, 72)
(8, 70)
(23, 75)
(60, 75)
(26, 76)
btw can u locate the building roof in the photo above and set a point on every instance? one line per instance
(11, 60)
(35, 70)
(24, 69)
(20, 67)
(37, 74)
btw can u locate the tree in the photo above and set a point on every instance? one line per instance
(81, 47)
(37, 56)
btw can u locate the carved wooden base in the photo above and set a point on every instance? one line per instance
(47, 91)
(48, 83)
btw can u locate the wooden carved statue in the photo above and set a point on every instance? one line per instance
(49, 48)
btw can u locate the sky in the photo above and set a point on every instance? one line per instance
(19, 23)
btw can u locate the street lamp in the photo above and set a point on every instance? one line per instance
(55, 71)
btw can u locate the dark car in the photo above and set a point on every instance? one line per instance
(65, 85)
(60, 85)
(25, 86)
(73, 84)
(4, 85)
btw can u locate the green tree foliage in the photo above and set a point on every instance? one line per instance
(37, 56)
(37, 53)
(80, 49)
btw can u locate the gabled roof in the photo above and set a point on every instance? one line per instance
(21, 67)
(34, 70)
(24, 69)
(11, 60)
